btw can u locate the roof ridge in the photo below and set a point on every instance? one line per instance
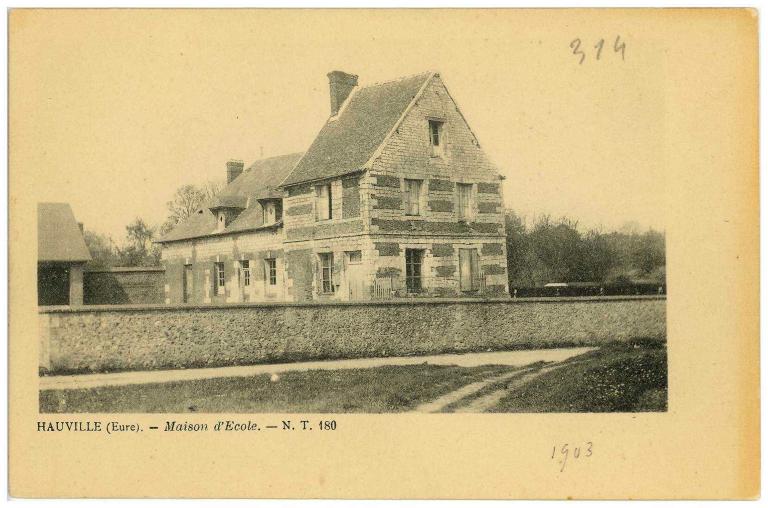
(401, 78)
(273, 157)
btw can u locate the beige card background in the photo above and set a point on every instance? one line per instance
(703, 66)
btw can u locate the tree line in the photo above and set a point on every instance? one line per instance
(550, 250)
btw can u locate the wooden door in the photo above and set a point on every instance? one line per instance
(354, 275)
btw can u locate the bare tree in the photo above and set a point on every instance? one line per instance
(187, 200)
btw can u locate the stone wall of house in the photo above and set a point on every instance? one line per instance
(107, 339)
(201, 254)
(124, 285)
(440, 264)
(408, 154)
(369, 213)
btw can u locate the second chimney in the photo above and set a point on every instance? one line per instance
(234, 168)
(341, 84)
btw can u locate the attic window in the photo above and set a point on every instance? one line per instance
(436, 137)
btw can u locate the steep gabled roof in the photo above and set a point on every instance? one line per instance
(58, 236)
(259, 181)
(347, 141)
(262, 178)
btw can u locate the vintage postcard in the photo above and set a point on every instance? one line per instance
(425, 253)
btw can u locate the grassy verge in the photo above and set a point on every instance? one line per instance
(615, 378)
(374, 390)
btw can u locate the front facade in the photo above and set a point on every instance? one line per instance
(394, 198)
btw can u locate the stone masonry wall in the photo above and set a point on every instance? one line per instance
(133, 285)
(107, 339)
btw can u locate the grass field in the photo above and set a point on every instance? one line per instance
(374, 390)
(618, 377)
(614, 378)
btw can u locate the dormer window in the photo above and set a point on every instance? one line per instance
(272, 212)
(436, 137)
(222, 223)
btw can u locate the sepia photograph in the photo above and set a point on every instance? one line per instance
(384, 266)
(432, 225)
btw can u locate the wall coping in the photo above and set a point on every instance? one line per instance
(63, 309)
(119, 269)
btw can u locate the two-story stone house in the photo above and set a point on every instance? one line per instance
(394, 198)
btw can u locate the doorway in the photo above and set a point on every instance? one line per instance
(354, 275)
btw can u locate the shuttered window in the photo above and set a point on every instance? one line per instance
(323, 202)
(412, 197)
(464, 200)
(469, 270)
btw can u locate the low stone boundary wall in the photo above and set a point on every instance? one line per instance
(108, 338)
(124, 285)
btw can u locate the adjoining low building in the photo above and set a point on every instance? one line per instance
(61, 255)
(395, 197)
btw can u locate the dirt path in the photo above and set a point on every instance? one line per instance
(446, 400)
(486, 402)
(512, 358)
(454, 401)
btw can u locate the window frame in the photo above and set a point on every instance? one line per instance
(219, 281)
(270, 271)
(356, 253)
(326, 284)
(436, 130)
(245, 272)
(414, 262)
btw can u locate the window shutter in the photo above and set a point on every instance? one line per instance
(475, 269)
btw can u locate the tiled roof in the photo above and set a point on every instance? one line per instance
(346, 142)
(259, 181)
(58, 236)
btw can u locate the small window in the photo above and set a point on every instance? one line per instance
(326, 274)
(272, 212)
(436, 137)
(354, 257)
(270, 271)
(412, 196)
(269, 213)
(245, 272)
(465, 200)
(323, 202)
(413, 261)
(218, 281)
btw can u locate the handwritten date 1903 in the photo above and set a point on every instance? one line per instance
(571, 451)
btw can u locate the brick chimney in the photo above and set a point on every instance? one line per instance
(341, 84)
(234, 168)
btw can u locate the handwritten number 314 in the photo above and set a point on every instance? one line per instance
(619, 46)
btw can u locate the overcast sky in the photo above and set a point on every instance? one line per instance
(121, 108)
